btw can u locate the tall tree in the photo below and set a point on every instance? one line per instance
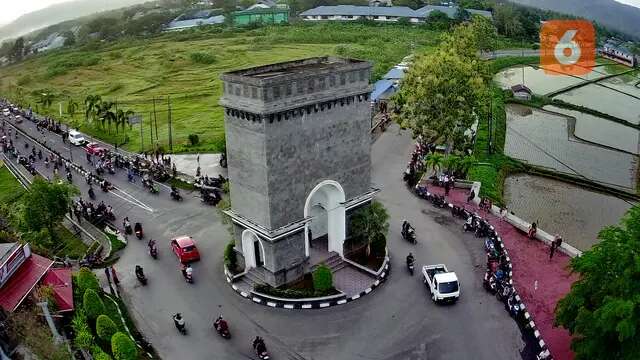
(370, 224)
(72, 107)
(45, 204)
(445, 91)
(18, 49)
(92, 107)
(602, 310)
(46, 99)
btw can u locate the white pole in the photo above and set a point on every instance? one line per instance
(60, 107)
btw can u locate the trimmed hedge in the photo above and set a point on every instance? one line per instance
(92, 304)
(322, 279)
(293, 293)
(230, 257)
(105, 327)
(123, 347)
(87, 280)
(98, 354)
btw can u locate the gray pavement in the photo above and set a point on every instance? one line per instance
(398, 321)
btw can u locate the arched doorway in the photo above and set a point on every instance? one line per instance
(252, 250)
(325, 207)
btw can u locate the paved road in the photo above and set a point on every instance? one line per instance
(397, 321)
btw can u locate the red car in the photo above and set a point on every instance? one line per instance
(94, 149)
(185, 249)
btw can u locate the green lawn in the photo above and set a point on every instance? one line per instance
(133, 72)
(10, 188)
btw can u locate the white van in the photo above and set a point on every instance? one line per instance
(76, 138)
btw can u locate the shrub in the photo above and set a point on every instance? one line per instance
(194, 139)
(322, 278)
(87, 280)
(98, 354)
(123, 347)
(378, 246)
(92, 304)
(202, 58)
(292, 293)
(230, 256)
(83, 339)
(105, 327)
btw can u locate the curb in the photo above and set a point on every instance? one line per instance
(298, 305)
(527, 323)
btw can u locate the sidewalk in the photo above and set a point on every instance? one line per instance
(540, 282)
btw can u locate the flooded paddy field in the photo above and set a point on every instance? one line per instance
(605, 100)
(575, 213)
(546, 139)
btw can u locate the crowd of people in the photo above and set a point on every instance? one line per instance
(417, 163)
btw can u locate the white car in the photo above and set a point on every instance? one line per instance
(76, 138)
(443, 284)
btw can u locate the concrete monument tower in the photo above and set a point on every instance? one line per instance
(298, 147)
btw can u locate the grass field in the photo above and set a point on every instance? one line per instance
(10, 189)
(186, 66)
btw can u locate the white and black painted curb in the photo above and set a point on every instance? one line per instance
(527, 322)
(266, 300)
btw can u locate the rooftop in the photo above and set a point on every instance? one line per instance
(400, 11)
(6, 249)
(296, 67)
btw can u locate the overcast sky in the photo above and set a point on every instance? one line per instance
(11, 9)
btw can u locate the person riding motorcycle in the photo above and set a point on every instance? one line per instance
(92, 194)
(139, 272)
(258, 344)
(221, 324)
(178, 321)
(410, 259)
(151, 244)
(187, 270)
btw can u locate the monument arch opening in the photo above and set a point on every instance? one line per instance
(252, 249)
(325, 207)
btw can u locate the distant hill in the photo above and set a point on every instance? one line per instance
(610, 13)
(58, 13)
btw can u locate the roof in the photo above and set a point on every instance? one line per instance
(446, 277)
(272, 10)
(400, 11)
(394, 74)
(60, 281)
(23, 281)
(450, 11)
(302, 66)
(520, 88)
(6, 249)
(380, 87)
(183, 24)
(184, 241)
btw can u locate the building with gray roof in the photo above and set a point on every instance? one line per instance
(381, 13)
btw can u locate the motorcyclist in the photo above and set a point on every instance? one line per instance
(220, 324)
(139, 272)
(410, 259)
(92, 194)
(126, 225)
(137, 227)
(178, 321)
(258, 344)
(151, 244)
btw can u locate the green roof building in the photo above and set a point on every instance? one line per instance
(264, 16)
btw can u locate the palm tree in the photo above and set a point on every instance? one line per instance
(106, 114)
(72, 106)
(370, 224)
(466, 163)
(46, 99)
(434, 161)
(451, 163)
(92, 107)
(122, 117)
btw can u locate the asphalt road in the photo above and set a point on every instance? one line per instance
(396, 321)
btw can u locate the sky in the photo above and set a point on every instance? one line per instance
(12, 9)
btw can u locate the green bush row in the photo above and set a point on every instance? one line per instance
(293, 293)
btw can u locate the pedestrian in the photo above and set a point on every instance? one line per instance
(114, 276)
(447, 185)
(472, 195)
(552, 249)
(503, 213)
(107, 273)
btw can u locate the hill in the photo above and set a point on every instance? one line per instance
(186, 66)
(58, 13)
(610, 13)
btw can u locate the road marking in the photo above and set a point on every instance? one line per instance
(244, 294)
(272, 304)
(367, 291)
(343, 301)
(324, 305)
(288, 306)
(355, 297)
(306, 306)
(255, 299)
(376, 283)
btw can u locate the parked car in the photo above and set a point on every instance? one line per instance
(443, 284)
(76, 138)
(94, 149)
(185, 249)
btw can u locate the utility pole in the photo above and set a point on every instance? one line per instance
(155, 118)
(151, 130)
(141, 136)
(169, 122)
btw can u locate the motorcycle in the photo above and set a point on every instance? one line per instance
(138, 230)
(187, 272)
(175, 195)
(141, 278)
(92, 194)
(222, 327)
(438, 201)
(410, 266)
(421, 191)
(409, 234)
(153, 251)
(127, 228)
(260, 349)
(513, 306)
(503, 290)
(178, 321)
(470, 224)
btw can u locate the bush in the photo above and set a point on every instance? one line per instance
(98, 354)
(322, 278)
(194, 139)
(293, 293)
(123, 347)
(87, 280)
(105, 327)
(84, 339)
(230, 256)
(92, 304)
(202, 58)
(378, 246)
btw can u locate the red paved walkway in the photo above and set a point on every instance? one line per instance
(530, 261)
